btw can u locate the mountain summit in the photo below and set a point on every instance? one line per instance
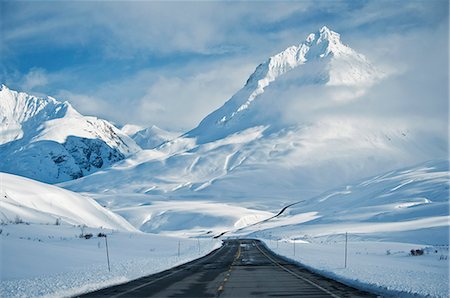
(322, 59)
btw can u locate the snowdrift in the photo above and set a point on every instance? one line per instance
(26, 201)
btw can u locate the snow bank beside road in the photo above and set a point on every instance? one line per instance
(386, 268)
(49, 260)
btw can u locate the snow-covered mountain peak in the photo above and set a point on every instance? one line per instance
(48, 140)
(321, 59)
(317, 45)
(325, 34)
(328, 43)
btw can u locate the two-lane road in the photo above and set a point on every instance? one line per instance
(240, 268)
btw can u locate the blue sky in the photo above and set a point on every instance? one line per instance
(151, 62)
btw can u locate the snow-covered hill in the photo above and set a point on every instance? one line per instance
(407, 205)
(152, 137)
(23, 200)
(386, 216)
(285, 134)
(48, 140)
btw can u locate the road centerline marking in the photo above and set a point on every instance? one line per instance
(158, 279)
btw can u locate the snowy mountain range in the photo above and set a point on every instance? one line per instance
(48, 140)
(273, 140)
(268, 144)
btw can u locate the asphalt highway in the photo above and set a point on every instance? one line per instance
(240, 268)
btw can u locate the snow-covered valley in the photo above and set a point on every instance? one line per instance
(272, 163)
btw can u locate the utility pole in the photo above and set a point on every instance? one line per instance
(346, 241)
(294, 247)
(277, 243)
(178, 248)
(198, 242)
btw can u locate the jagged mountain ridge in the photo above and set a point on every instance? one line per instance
(48, 140)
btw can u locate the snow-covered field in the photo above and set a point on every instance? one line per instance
(386, 268)
(53, 261)
(386, 216)
(43, 254)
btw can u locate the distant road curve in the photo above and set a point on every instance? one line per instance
(261, 221)
(240, 268)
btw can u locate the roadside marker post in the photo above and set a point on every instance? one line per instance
(346, 241)
(179, 248)
(107, 252)
(107, 249)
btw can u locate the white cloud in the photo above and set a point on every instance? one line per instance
(85, 104)
(36, 77)
(177, 102)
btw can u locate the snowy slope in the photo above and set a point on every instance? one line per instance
(385, 216)
(322, 59)
(194, 218)
(272, 142)
(270, 170)
(404, 205)
(29, 201)
(152, 137)
(50, 141)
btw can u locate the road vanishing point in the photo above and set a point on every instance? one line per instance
(240, 268)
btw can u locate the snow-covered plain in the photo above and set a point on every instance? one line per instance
(385, 268)
(53, 261)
